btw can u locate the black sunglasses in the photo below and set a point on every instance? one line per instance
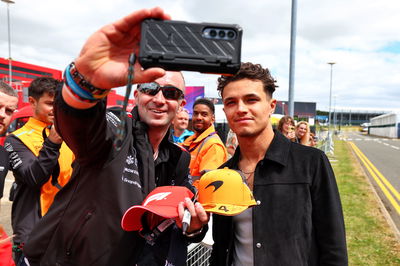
(170, 92)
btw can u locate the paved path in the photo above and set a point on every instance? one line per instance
(380, 158)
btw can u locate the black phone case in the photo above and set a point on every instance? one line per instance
(179, 45)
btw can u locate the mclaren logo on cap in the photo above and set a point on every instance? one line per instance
(158, 196)
(216, 184)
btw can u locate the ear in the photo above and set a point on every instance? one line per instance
(182, 104)
(272, 105)
(135, 94)
(32, 101)
(213, 118)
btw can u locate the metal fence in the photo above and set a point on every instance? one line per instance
(198, 255)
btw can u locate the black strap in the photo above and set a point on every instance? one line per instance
(56, 170)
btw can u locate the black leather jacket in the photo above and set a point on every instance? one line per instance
(298, 219)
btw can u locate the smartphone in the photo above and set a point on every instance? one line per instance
(179, 45)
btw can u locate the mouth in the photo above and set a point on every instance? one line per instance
(156, 111)
(243, 119)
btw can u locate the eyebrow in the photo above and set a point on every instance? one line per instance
(245, 96)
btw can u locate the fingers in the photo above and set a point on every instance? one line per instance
(127, 23)
(147, 75)
(199, 217)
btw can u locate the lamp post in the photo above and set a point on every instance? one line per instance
(8, 2)
(283, 108)
(334, 112)
(330, 98)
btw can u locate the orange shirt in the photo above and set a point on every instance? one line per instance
(207, 152)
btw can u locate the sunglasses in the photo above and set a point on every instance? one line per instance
(170, 92)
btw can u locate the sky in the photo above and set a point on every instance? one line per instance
(361, 36)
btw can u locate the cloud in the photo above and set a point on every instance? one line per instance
(362, 37)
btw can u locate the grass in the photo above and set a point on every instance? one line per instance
(370, 240)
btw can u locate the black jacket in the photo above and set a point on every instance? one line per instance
(83, 226)
(30, 173)
(4, 163)
(298, 219)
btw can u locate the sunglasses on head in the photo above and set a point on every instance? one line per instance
(170, 92)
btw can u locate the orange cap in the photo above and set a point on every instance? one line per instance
(224, 192)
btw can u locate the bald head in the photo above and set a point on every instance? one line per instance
(173, 78)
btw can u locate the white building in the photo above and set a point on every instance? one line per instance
(386, 125)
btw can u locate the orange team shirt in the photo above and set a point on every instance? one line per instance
(205, 156)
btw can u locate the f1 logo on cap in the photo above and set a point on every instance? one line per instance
(158, 196)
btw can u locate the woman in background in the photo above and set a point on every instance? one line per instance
(303, 133)
(286, 127)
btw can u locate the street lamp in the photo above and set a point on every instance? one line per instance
(330, 98)
(283, 108)
(9, 40)
(334, 112)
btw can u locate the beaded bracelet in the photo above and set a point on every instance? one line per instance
(81, 88)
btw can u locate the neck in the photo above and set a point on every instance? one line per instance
(253, 149)
(156, 135)
(178, 132)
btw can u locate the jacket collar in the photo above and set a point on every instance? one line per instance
(198, 138)
(36, 124)
(278, 150)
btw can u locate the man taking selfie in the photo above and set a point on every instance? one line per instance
(84, 227)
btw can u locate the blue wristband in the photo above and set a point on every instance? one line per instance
(76, 88)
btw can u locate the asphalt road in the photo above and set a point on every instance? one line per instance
(384, 156)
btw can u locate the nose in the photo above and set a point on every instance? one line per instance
(159, 98)
(2, 112)
(242, 108)
(196, 117)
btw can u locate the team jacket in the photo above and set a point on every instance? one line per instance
(83, 227)
(298, 219)
(33, 161)
(207, 151)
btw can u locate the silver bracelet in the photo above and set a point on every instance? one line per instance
(195, 233)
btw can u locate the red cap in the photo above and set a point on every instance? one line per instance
(162, 201)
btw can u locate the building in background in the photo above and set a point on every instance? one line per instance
(386, 125)
(23, 73)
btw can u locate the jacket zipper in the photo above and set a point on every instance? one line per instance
(87, 217)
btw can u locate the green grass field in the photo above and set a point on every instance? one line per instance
(370, 240)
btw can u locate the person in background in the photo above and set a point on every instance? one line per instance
(8, 104)
(303, 133)
(313, 140)
(231, 143)
(40, 161)
(180, 125)
(206, 149)
(298, 218)
(286, 126)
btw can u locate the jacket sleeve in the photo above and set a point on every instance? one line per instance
(27, 168)
(328, 216)
(85, 131)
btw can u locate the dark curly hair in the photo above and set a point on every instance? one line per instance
(42, 85)
(253, 72)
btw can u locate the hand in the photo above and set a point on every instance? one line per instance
(54, 137)
(199, 215)
(291, 135)
(103, 60)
